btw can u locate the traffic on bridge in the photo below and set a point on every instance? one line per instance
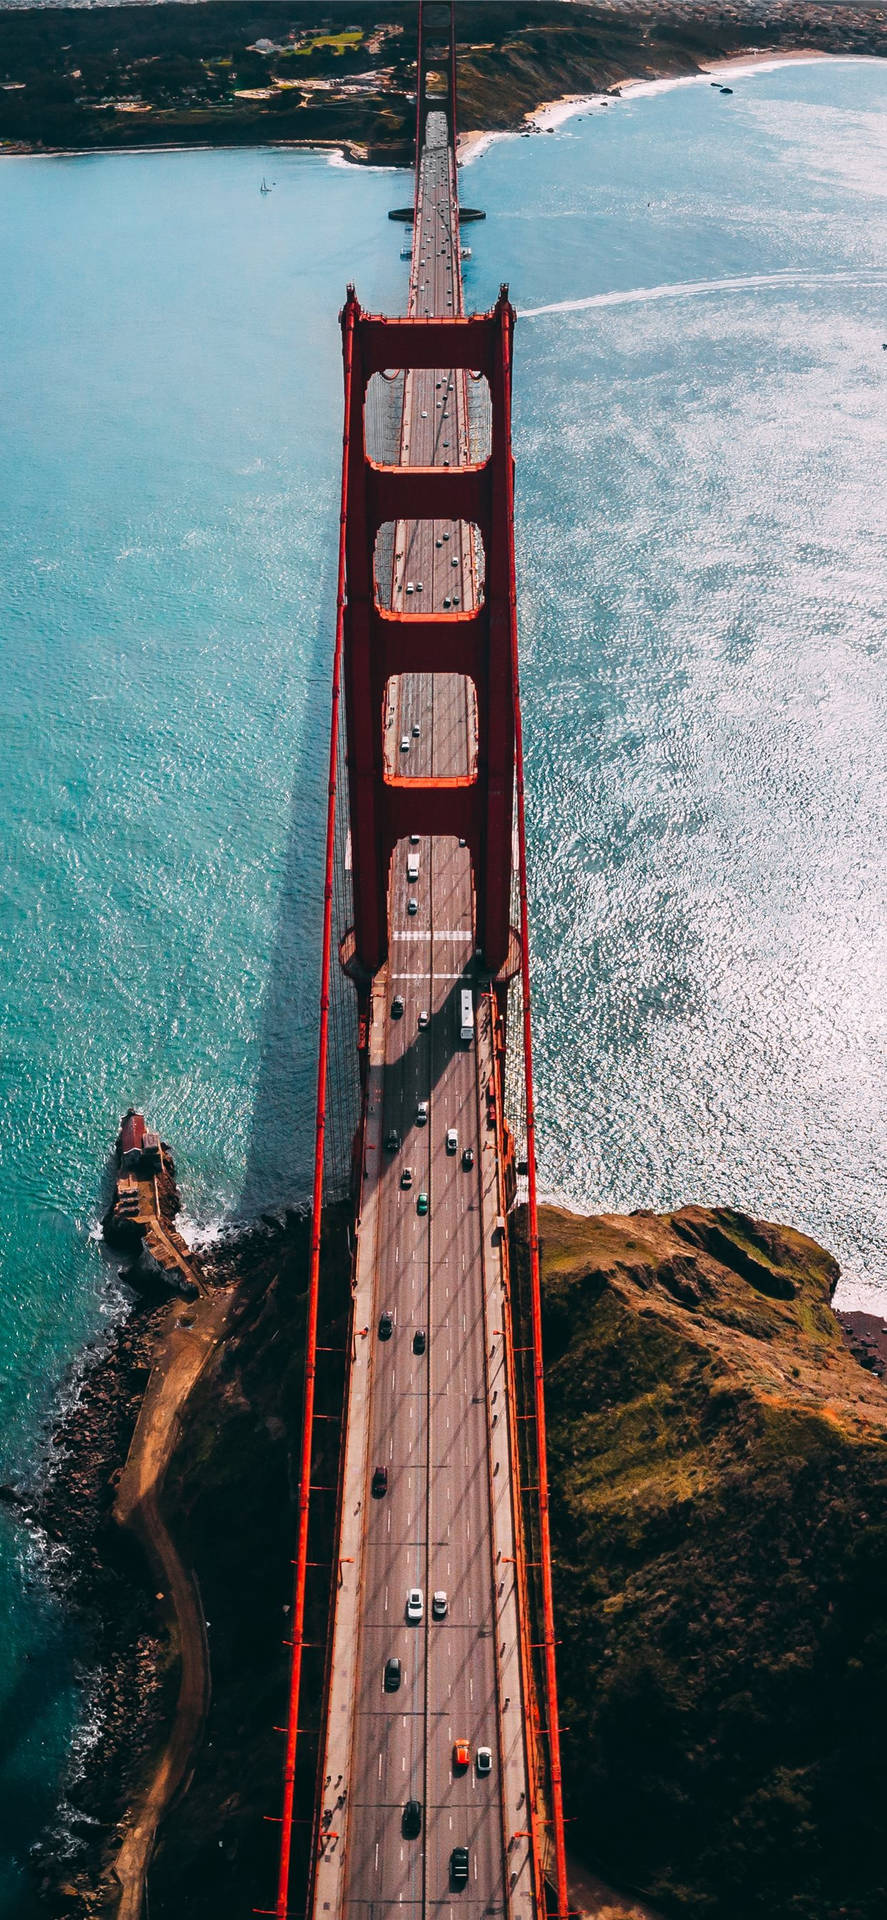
(438, 1783)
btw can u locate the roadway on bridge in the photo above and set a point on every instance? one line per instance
(429, 1413)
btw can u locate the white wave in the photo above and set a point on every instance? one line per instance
(337, 157)
(200, 1234)
(692, 289)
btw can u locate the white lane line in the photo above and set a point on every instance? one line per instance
(423, 975)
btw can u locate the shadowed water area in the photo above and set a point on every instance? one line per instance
(702, 528)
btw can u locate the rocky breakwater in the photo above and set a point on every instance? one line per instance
(718, 1464)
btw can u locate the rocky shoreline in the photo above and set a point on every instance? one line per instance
(129, 1653)
(106, 1594)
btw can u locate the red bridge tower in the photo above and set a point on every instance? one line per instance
(480, 643)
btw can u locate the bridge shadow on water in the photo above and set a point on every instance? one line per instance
(280, 1146)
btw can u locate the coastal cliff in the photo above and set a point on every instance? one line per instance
(718, 1464)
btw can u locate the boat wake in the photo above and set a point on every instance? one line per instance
(692, 289)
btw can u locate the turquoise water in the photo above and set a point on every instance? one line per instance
(702, 542)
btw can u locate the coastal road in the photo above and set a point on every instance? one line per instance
(184, 1350)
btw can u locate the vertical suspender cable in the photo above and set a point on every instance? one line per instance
(554, 1749)
(317, 1195)
(453, 121)
(420, 89)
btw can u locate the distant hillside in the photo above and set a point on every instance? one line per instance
(242, 72)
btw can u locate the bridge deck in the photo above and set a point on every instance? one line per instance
(437, 1420)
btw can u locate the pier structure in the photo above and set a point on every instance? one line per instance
(436, 1729)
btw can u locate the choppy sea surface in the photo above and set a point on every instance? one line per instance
(702, 459)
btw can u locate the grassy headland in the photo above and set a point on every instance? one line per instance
(718, 1466)
(243, 72)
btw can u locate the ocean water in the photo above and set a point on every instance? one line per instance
(700, 440)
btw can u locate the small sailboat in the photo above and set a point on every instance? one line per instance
(264, 188)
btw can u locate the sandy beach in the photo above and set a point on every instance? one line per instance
(553, 113)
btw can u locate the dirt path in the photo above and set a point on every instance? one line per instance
(191, 1335)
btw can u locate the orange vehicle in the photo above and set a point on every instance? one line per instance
(461, 1755)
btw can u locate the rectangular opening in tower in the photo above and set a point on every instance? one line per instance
(428, 566)
(429, 723)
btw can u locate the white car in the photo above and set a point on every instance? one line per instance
(439, 1605)
(484, 1761)
(411, 586)
(423, 1017)
(452, 1140)
(415, 1605)
(416, 729)
(405, 743)
(422, 1114)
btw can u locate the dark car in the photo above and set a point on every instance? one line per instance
(419, 1340)
(386, 1325)
(380, 1482)
(459, 1866)
(412, 1819)
(392, 1140)
(467, 1158)
(397, 1006)
(391, 1680)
